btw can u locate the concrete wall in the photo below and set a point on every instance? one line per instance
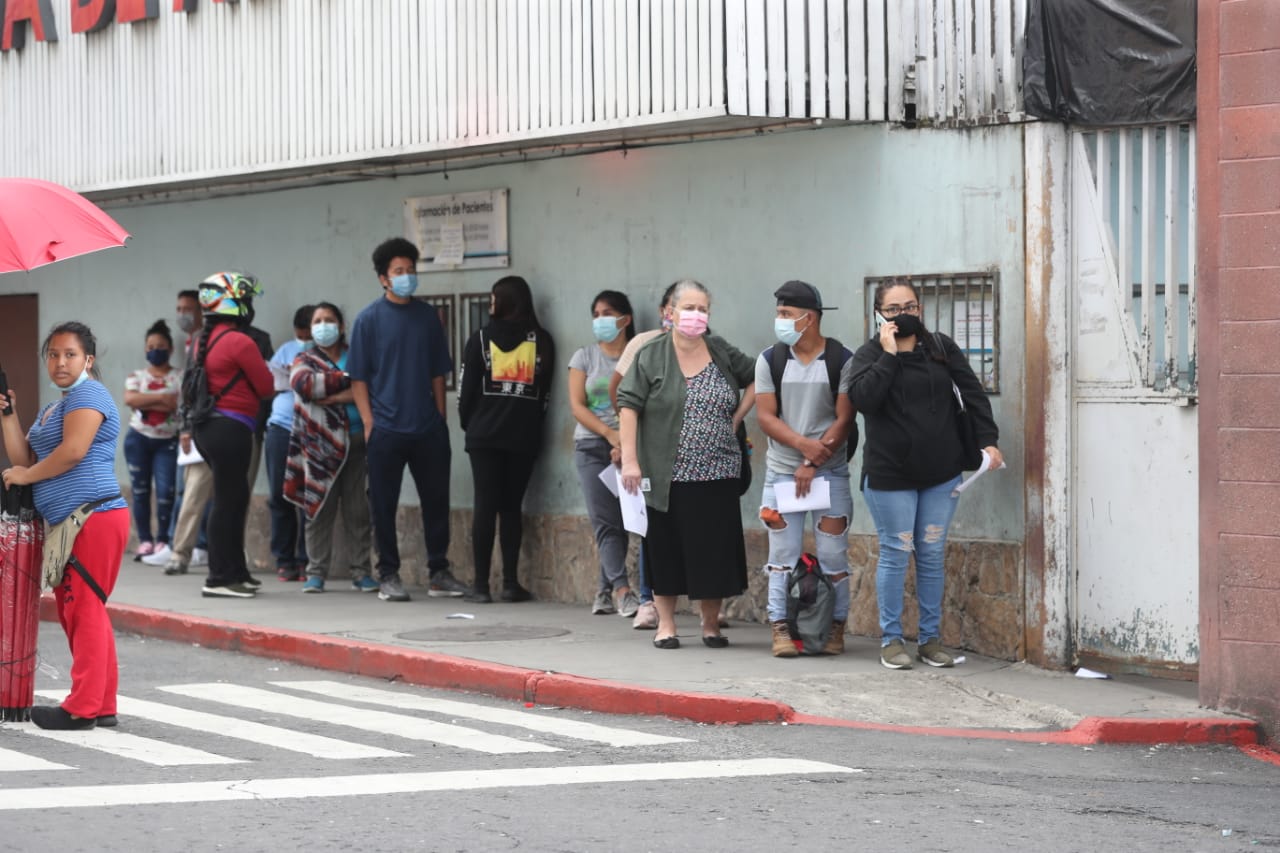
(1239, 251)
(829, 206)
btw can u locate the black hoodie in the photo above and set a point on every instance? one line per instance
(504, 386)
(909, 409)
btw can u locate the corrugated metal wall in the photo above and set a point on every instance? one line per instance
(268, 85)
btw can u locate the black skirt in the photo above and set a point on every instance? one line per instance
(695, 548)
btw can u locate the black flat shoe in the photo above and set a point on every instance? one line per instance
(53, 717)
(715, 642)
(108, 721)
(515, 593)
(672, 642)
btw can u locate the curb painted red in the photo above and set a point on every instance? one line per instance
(430, 669)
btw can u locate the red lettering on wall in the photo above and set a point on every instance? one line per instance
(18, 14)
(129, 11)
(89, 16)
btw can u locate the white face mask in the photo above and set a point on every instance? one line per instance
(80, 380)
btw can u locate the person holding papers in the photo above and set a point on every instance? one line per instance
(596, 445)
(679, 409)
(902, 383)
(807, 467)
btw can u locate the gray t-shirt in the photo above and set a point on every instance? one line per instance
(592, 361)
(807, 407)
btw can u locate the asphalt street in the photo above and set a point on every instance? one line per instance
(218, 751)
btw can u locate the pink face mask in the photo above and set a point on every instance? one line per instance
(692, 324)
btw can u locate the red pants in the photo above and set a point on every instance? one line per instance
(94, 675)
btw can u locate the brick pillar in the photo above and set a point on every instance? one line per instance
(1238, 235)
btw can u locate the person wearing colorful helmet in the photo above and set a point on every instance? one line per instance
(238, 381)
(398, 363)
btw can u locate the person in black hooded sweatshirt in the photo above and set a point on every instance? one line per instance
(503, 391)
(902, 384)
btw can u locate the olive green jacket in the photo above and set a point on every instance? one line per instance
(655, 388)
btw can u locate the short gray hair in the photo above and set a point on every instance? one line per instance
(688, 284)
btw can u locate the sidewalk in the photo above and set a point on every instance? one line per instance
(558, 654)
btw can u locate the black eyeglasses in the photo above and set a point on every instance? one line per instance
(891, 311)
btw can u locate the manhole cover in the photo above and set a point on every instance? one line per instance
(470, 633)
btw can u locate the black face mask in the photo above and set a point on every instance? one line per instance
(908, 325)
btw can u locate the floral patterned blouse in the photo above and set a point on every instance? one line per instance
(708, 449)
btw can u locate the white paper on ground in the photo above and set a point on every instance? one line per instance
(982, 469)
(191, 458)
(635, 518)
(609, 476)
(1089, 673)
(819, 497)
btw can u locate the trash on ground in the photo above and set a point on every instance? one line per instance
(461, 616)
(1089, 673)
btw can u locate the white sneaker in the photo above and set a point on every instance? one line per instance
(199, 557)
(159, 557)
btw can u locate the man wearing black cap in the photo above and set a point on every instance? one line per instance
(802, 404)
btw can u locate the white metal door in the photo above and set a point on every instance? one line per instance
(1134, 479)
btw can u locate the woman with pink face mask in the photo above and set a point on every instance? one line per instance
(679, 408)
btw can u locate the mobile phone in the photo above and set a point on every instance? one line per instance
(880, 320)
(5, 408)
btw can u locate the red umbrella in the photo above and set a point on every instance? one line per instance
(41, 222)
(21, 543)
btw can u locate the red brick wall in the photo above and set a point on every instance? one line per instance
(1238, 185)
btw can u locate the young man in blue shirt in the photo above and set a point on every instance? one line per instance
(398, 362)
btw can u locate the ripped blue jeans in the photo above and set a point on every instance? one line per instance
(907, 521)
(787, 543)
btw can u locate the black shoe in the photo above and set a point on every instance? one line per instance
(514, 592)
(478, 596)
(108, 721)
(672, 642)
(250, 580)
(54, 717)
(715, 641)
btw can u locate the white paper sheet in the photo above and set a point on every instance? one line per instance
(452, 244)
(280, 377)
(635, 518)
(609, 476)
(982, 469)
(818, 499)
(189, 458)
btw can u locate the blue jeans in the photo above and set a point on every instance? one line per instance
(911, 520)
(428, 457)
(151, 459)
(288, 524)
(787, 543)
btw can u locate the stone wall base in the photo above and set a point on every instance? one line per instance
(982, 601)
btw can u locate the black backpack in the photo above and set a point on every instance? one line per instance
(834, 357)
(811, 605)
(198, 404)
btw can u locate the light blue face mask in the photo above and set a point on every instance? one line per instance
(404, 285)
(785, 330)
(84, 374)
(605, 328)
(325, 334)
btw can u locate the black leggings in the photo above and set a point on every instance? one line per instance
(227, 444)
(500, 479)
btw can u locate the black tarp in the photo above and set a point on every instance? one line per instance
(1110, 62)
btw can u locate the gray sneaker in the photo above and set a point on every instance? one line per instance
(603, 605)
(932, 654)
(444, 585)
(894, 655)
(629, 604)
(175, 567)
(392, 590)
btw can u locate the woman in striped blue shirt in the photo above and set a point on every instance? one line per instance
(68, 458)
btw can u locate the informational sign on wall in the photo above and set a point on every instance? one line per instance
(461, 231)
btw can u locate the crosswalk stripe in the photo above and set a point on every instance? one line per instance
(125, 745)
(383, 722)
(14, 761)
(316, 746)
(404, 783)
(483, 713)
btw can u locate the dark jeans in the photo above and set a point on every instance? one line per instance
(288, 524)
(428, 457)
(151, 459)
(500, 478)
(226, 444)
